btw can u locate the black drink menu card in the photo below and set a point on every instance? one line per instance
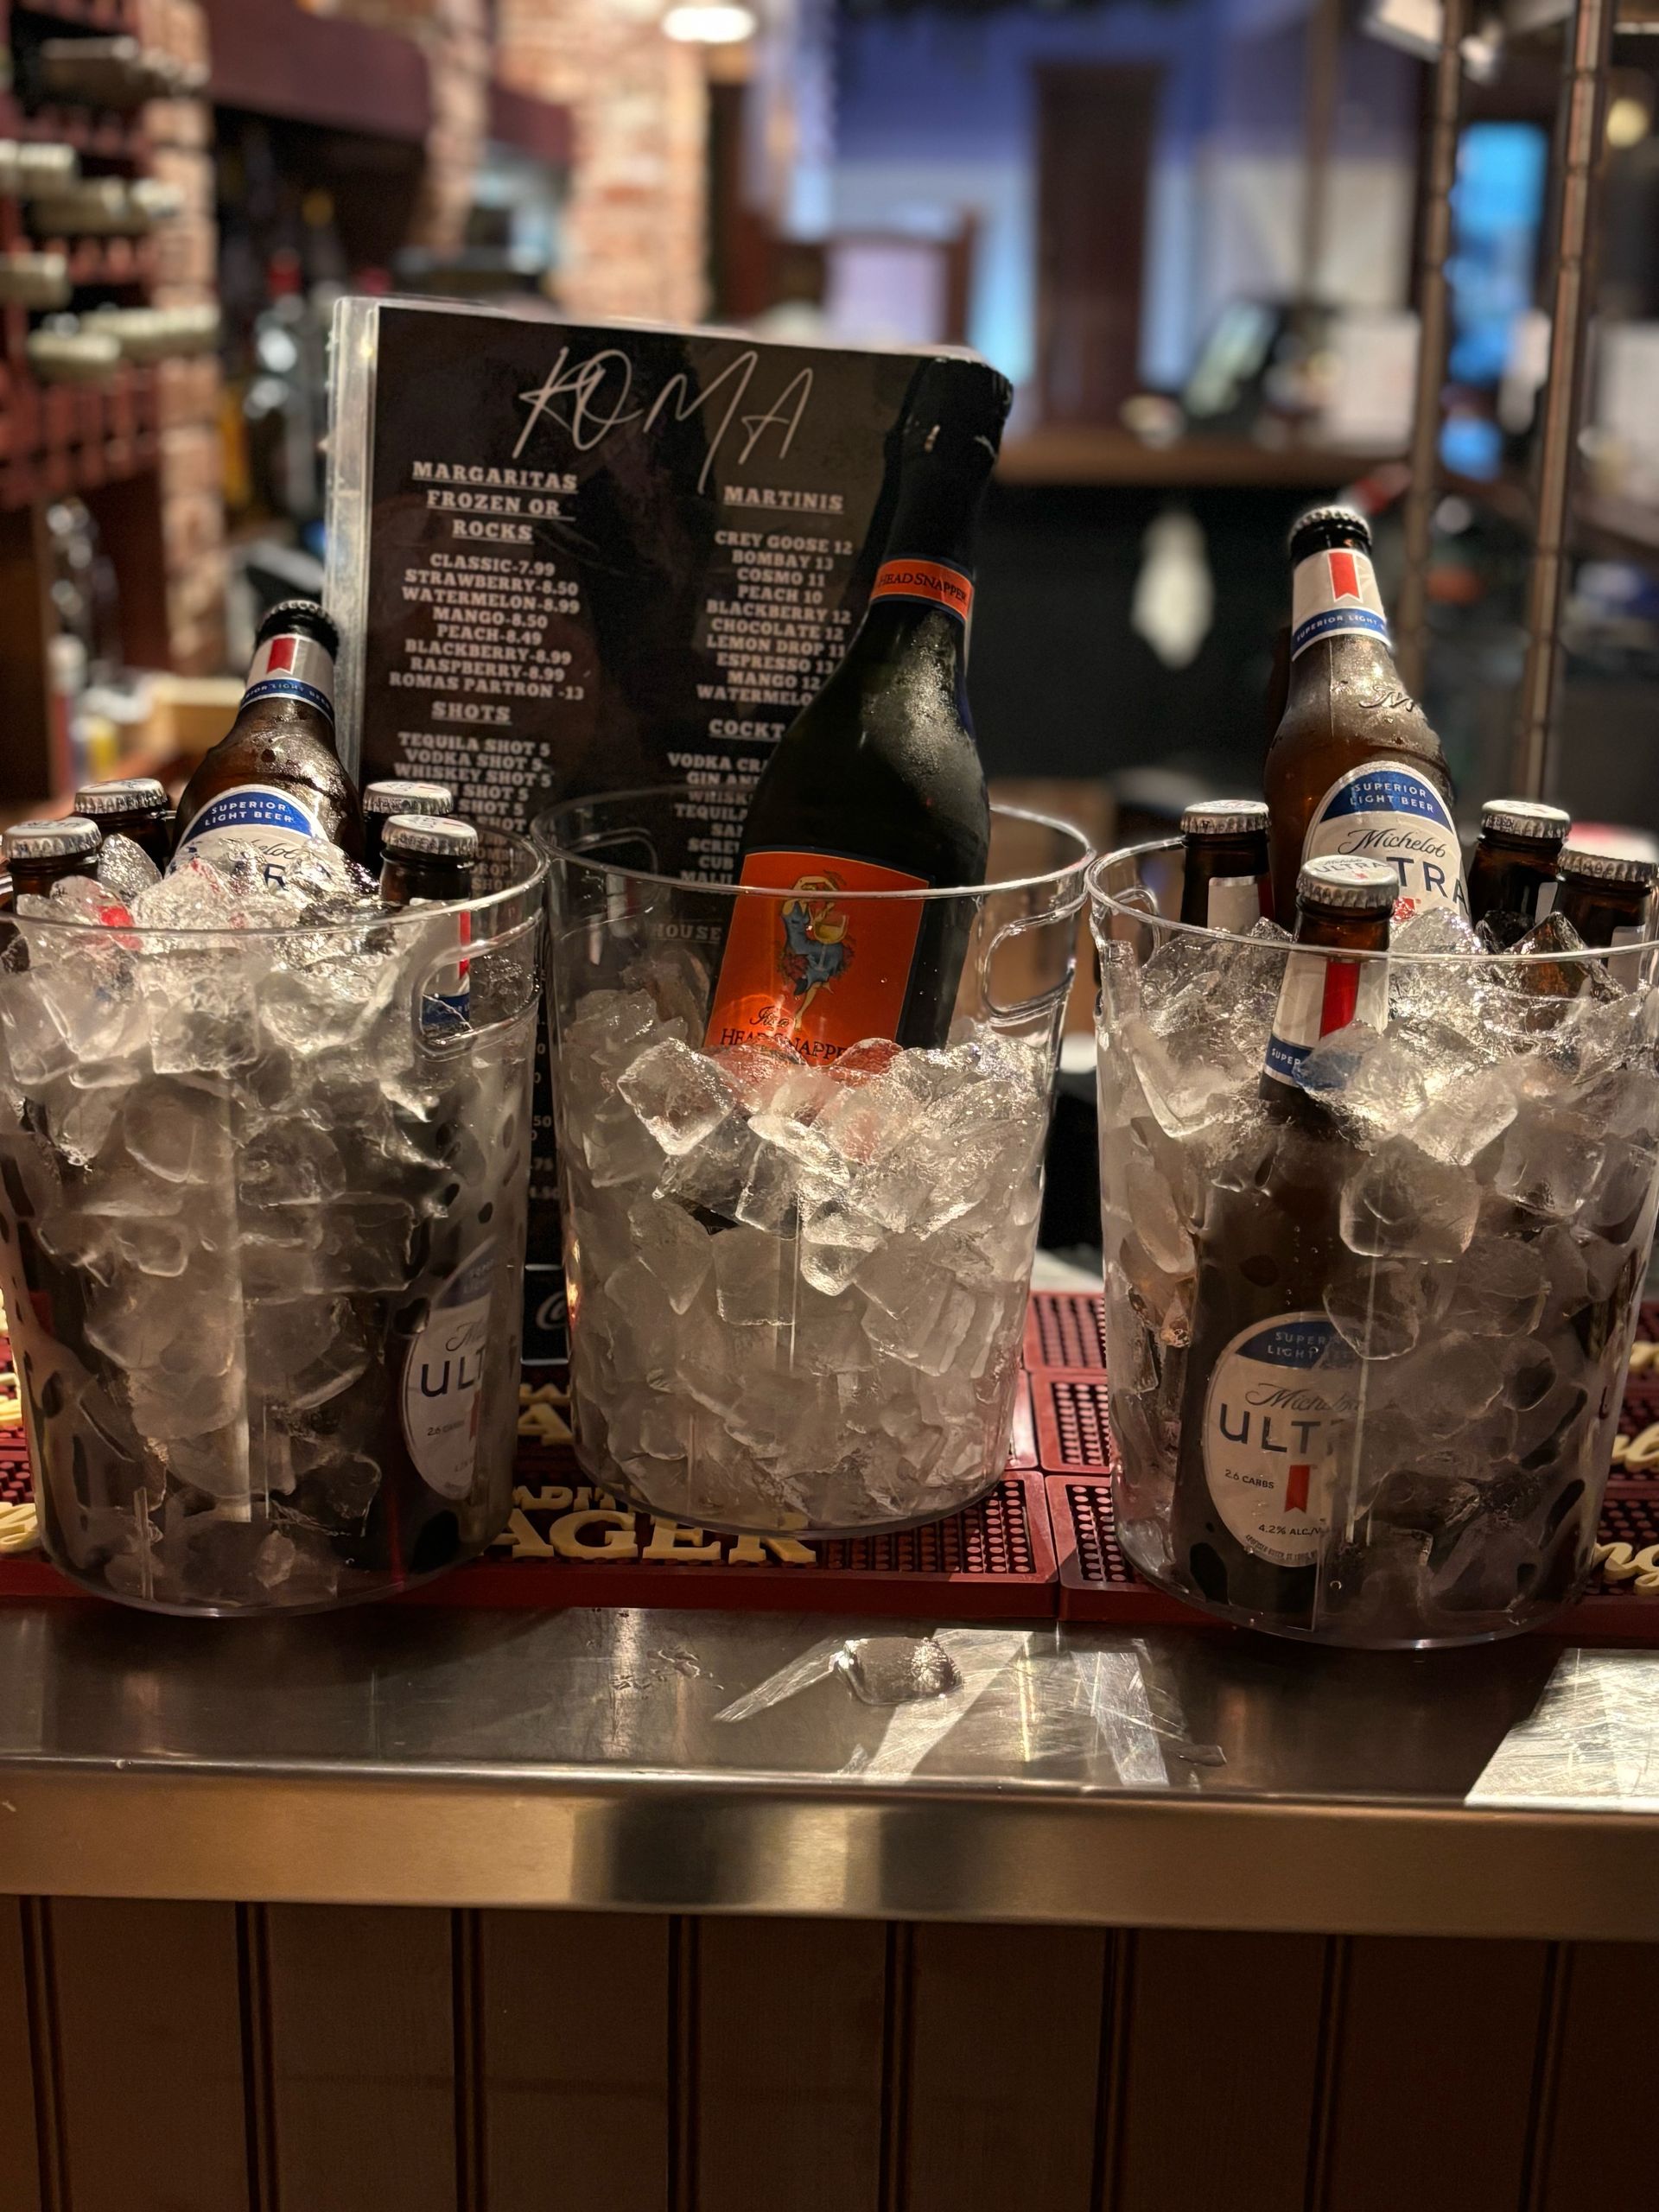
(568, 559)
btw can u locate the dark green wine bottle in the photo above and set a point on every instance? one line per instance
(876, 785)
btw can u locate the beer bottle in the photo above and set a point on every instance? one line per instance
(40, 854)
(1267, 1378)
(275, 781)
(1606, 901)
(1520, 845)
(381, 801)
(1353, 767)
(432, 857)
(877, 786)
(132, 806)
(1224, 882)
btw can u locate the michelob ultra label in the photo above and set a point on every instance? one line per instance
(443, 1378)
(276, 824)
(1321, 993)
(1387, 810)
(1334, 595)
(292, 666)
(1271, 1418)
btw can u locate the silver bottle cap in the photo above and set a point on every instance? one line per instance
(1349, 886)
(122, 797)
(429, 836)
(1606, 867)
(1526, 817)
(1225, 817)
(393, 797)
(70, 834)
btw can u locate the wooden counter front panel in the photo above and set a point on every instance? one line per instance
(214, 2058)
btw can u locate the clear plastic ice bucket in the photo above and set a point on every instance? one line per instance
(796, 1288)
(1365, 1363)
(261, 1227)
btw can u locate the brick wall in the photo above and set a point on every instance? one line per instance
(456, 36)
(192, 515)
(635, 219)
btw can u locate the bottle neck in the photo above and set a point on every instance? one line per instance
(1334, 595)
(1600, 911)
(294, 666)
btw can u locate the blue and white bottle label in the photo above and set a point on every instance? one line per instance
(1322, 992)
(1334, 595)
(292, 666)
(1272, 1417)
(443, 1378)
(271, 822)
(1385, 811)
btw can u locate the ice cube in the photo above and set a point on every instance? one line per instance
(1380, 1308)
(1500, 1288)
(194, 896)
(180, 1133)
(1550, 1162)
(1449, 1383)
(754, 1278)
(125, 868)
(675, 1249)
(1402, 1204)
(679, 1094)
(1469, 1112)
(203, 1011)
(1156, 1218)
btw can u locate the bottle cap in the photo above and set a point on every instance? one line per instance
(408, 798)
(303, 615)
(122, 797)
(1327, 527)
(1525, 817)
(429, 836)
(1348, 886)
(1607, 867)
(70, 834)
(1225, 817)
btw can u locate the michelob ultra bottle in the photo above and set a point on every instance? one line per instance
(1353, 767)
(275, 781)
(1608, 900)
(1269, 1380)
(876, 785)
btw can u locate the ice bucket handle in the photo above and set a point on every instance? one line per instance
(428, 986)
(1061, 911)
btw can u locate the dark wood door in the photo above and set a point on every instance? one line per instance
(1095, 137)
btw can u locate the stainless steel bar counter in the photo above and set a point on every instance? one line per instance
(768, 1764)
(705, 1912)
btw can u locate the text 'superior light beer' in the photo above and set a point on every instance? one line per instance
(1224, 877)
(877, 784)
(1353, 767)
(1515, 865)
(1269, 1380)
(275, 781)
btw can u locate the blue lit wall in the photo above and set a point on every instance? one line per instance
(935, 115)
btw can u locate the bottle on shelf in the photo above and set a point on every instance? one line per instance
(130, 806)
(72, 355)
(1353, 766)
(275, 781)
(156, 333)
(30, 167)
(34, 280)
(1225, 882)
(1513, 871)
(104, 206)
(877, 786)
(112, 73)
(1267, 1376)
(381, 801)
(433, 857)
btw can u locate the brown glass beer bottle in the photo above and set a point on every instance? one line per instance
(1224, 883)
(1353, 767)
(1515, 860)
(275, 781)
(1268, 1379)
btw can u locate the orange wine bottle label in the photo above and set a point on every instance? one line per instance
(928, 579)
(811, 967)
